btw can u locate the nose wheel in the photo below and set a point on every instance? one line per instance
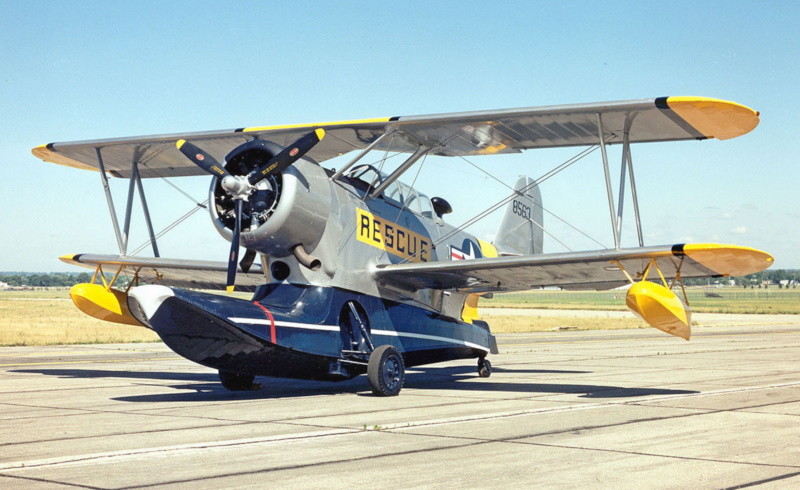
(484, 368)
(386, 371)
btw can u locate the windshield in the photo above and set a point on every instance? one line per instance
(397, 193)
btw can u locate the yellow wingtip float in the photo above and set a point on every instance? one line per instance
(103, 303)
(661, 308)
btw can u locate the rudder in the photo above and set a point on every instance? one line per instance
(520, 231)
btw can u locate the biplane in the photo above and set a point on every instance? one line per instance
(353, 271)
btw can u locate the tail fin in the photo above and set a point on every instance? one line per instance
(520, 230)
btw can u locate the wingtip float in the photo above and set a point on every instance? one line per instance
(660, 308)
(103, 303)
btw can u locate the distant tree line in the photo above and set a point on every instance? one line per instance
(45, 280)
(769, 276)
(63, 279)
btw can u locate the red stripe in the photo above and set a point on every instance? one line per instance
(271, 321)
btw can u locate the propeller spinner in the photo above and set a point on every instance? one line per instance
(239, 187)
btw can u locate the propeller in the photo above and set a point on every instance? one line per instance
(239, 187)
(247, 261)
(287, 156)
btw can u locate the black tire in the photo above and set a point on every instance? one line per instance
(484, 368)
(237, 382)
(386, 371)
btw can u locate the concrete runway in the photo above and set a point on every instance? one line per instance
(616, 409)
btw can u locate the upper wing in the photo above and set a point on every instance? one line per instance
(455, 134)
(575, 270)
(197, 274)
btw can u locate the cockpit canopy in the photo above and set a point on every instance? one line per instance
(397, 193)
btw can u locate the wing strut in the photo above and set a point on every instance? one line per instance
(625, 165)
(421, 152)
(361, 154)
(110, 200)
(609, 191)
(134, 184)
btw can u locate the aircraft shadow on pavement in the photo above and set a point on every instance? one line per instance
(106, 373)
(204, 387)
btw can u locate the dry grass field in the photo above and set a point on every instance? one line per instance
(533, 323)
(48, 317)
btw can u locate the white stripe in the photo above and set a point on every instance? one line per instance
(334, 328)
(307, 326)
(391, 333)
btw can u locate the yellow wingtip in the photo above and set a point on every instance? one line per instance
(715, 118)
(729, 260)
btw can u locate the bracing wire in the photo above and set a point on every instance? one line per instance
(171, 226)
(491, 209)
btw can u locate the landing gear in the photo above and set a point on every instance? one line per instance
(484, 368)
(238, 382)
(386, 371)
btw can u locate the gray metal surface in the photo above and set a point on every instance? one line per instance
(456, 134)
(198, 274)
(573, 270)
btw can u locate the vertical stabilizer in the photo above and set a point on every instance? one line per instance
(520, 230)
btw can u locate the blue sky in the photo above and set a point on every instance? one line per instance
(86, 70)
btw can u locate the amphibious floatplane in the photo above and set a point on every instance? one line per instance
(358, 272)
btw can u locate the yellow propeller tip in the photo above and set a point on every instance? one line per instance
(180, 143)
(320, 133)
(229, 289)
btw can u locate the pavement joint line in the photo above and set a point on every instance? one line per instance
(56, 353)
(99, 361)
(638, 339)
(588, 406)
(654, 455)
(182, 449)
(51, 482)
(143, 413)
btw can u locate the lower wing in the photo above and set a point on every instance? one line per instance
(197, 274)
(602, 269)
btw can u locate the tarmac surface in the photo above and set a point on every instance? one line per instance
(611, 409)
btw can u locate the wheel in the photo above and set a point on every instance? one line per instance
(386, 371)
(237, 382)
(484, 368)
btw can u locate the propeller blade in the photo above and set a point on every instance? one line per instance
(288, 156)
(201, 158)
(247, 261)
(234, 255)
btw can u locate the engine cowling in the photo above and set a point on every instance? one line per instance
(285, 209)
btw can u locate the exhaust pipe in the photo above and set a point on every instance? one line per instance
(306, 260)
